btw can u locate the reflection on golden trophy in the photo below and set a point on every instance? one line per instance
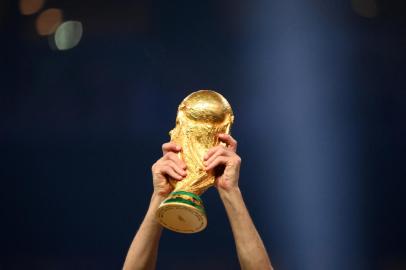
(201, 117)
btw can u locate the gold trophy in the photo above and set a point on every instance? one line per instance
(201, 117)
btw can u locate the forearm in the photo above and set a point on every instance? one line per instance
(250, 248)
(144, 248)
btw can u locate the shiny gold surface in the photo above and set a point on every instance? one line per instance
(182, 218)
(201, 117)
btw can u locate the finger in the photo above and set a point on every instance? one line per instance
(170, 147)
(175, 166)
(212, 151)
(171, 172)
(218, 161)
(220, 152)
(174, 157)
(229, 141)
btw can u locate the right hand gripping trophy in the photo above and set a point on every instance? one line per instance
(201, 117)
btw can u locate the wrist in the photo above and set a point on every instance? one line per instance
(155, 202)
(233, 201)
(157, 198)
(229, 192)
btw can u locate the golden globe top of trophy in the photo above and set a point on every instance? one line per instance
(202, 115)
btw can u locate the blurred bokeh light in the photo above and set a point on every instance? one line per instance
(29, 7)
(48, 21)
(68, 35)
(365, 8)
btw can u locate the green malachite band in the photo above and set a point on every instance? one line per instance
(187, 194)
(180, 200)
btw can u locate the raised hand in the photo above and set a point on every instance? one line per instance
(225, 162)
(169, 165)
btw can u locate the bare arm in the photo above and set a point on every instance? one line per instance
(250, 248)
(144, 247)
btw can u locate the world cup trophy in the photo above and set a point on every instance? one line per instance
(201, 117)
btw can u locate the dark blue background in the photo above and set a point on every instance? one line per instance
(318, 93)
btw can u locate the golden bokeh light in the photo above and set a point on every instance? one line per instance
(29, 7)
(365, 8)
(48, 21)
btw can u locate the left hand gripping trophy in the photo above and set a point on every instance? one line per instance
(201, 117)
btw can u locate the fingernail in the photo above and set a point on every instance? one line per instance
(177, 147)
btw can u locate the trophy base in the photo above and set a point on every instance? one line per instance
(182, 212)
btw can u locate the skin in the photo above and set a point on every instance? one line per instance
(250, 248)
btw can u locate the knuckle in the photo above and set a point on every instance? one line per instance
(155, 167)
(237, 159)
